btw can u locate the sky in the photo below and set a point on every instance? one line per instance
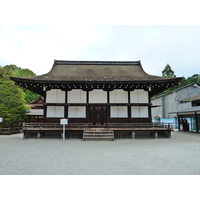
(36, 47)
(35, 33)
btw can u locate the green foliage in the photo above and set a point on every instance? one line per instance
(12, 70)
(12, 97)
(30, 96)
(24, 72)
(168, 72)
(11, 67)
(12, 104)
(5, 73)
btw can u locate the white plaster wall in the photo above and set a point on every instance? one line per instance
(139, 96)
(55, 96)
(114, 111)
(76, 96)
(135, 111)
(119, 111)
(55, 111)
(144, 111)
(97, 96)
(118, 96)
(139, 111)
(156, 111)
(169, 103)
(76, 112)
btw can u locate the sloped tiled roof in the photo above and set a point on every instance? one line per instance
(100, 71)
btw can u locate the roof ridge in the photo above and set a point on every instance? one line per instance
(70, 62)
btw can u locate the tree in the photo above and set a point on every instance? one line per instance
(12, 70)
(11, 67)
(168, 72)
(24, 72)
(30, 96)
(12, 104)
(5, 73)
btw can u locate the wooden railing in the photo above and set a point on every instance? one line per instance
(10, 130)
(144, 125)
(53, 125)
(86, 125)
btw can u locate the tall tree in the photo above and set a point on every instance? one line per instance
(168, 72)
(12, 104)
(11, 67)
(5, 73)
(30, 96)
(24, 72)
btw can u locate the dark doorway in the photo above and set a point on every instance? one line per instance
(98, 115)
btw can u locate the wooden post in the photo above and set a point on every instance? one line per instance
(133, 135)
(156, 134)
(38, 135)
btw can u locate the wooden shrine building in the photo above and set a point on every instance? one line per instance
(35, 114)
(96, 96)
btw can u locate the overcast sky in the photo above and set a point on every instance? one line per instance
(36, 47)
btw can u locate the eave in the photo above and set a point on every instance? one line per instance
(41, 86)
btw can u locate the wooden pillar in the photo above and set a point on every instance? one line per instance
(108, 113)
(66, 105)
(87, 113)
(129, 113)
(45, 108)
(149, 108)
(178, 122)
(129, 107)
(87, 108)
(45, 113)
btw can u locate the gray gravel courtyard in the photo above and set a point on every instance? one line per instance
(179, 155)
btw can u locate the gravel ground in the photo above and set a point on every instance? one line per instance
(179, 155)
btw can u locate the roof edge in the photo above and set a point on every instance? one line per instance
(69, 62)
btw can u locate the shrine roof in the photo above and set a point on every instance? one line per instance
(97, 71)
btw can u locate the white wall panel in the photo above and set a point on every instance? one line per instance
(72, 112)
(98, 96)
(144, 111)
(143, 96)
(55, 111)
(139, 111)
(135, 111)
(119, 111)
(59, 111)
(118, 96)
(81, 111)
(55, 96)
(76, 112)
(76, 96)
(51, 111)
(123, 111)
(114, 111)
(139, 96)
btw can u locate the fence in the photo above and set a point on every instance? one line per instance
(10, 130)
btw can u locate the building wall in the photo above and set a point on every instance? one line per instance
(171, 102)
(120, 105)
